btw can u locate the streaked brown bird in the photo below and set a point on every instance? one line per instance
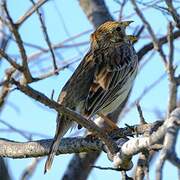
(102, 80)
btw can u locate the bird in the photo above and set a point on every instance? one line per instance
(101, 82)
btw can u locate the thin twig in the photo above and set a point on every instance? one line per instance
(148, 47)
(151, 32)
(13, 28)
(55, 46)
(29, 170)
(35, 46)
(142, 120)
(47, 39)
(106, 168)
(173, 12)
(31, 10)
(145, 91)
(15, 129)
(121, 9)
(52, 72)
(10, 60)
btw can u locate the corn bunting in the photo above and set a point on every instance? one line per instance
(102, 80)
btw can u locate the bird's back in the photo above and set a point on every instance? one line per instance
(116, 60)
(76, 88)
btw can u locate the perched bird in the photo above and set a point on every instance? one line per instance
(102, 80)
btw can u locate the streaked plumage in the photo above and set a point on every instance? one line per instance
(102, 81)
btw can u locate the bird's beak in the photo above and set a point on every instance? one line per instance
(127, 23)
(132, 38)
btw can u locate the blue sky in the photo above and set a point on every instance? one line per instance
(29, 115)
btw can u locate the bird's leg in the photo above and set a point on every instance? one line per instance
(109, 122)
(110, 126)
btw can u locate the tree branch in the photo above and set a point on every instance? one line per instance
(14, 149)
(68, 145)
(14, 29)
(96, 11)
(173, 12)
(131, 147)
(28, 14)
(171, 72)
(168, 151)
(46, 36)
(136, 145)
(4, 174)
(151, 32)
(148, 47)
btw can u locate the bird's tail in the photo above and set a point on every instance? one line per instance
(62, 127)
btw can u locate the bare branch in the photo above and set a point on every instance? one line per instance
(33, 9)
(4, 174)
(27, 173)
(142, 168)
(40, 148)
(173, 12)
(148, 47)
(79, 162)
(96, 11)
(71, 145)
(55, 46)
(171, 72)
(168, 150)
(107, 168)
(122, 5)
(15, 129)
(135, 145)
(142, 120)
(67, 145)
(151, 32)
(10, 60)
(14, 29)
(46, 36)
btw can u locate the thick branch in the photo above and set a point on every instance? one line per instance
(171, 72)
(144, 142)
(75, 145)
(96, 11)
(4, 174)
(136, 145)
(39, 148)
(14, 149)
(168, 151)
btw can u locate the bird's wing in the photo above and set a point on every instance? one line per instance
(114, 68)
(78, 85)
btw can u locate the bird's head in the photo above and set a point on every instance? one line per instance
(109, 32)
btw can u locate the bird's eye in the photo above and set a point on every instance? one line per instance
(118, 29)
